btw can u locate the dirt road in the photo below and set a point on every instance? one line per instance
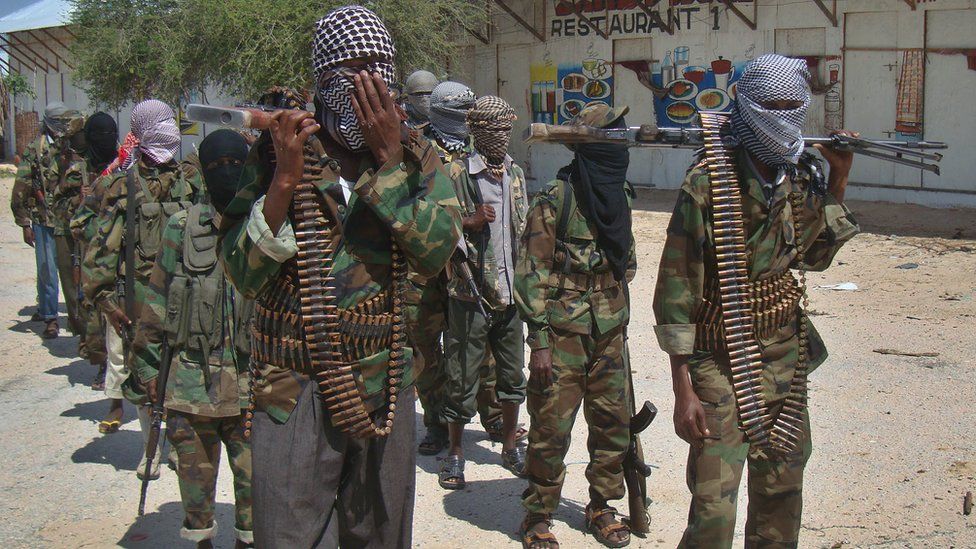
(894, 445)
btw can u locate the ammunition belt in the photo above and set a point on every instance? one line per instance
(738, 303)
(298, 324)
(773, 304)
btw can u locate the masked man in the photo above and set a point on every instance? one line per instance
(37, 177)
(571, 290)
(418, 88)
(449, 106)
(728, 306)
(157, 186)
(205, 323)
(324, 244)
(491, 189)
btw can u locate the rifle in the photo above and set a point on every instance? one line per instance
(156, 417)
(693, 138)
(255, 117)
(636, 470)
(460, 263)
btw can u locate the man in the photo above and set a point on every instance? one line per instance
(101, 136)
(418, 88)
(449, 106)
(37, 176)
(571, 290)
(792, 220)
(159, 188)
(64, 200)
(205, 323)
(324, 247)
(491, 189)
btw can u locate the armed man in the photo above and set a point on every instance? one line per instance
(729, 310)
(202, 323)
(101, 136)
(37, 177)
(324, 245)
(571, 290)
(127, 228)
(417, 91)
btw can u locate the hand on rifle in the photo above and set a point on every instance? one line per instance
(290, 129)
(840, 163)
(483, 214)
(119, 321)
(29, 236)
(150, 387)
(540, 368)
(378, 117)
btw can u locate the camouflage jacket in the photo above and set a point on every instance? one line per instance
(562, 282)
(477, 244)
(101, 264)
(82, 224)
(75, 180)
(28, 202)
(178, 306)
(688, 264)
(409, 199)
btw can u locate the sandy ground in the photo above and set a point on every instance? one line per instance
(893, 435)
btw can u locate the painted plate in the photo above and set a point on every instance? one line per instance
(733, 88)
(571, 108)
(682, 89)
(574, 82)
(681, 112)
(596, 89)
(712, 99)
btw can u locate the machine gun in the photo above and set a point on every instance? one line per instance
(156, 418)
(460, 262)
(636, 470)
(693, 138)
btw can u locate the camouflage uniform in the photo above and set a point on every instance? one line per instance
(687, 270)
(82, 228)
(205, 321)
(568, 297)
(101, 267)
(410, 200)
(36, 179)
(471, 340)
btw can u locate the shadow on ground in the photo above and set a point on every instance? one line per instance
(162, 528)
(121, 450)
(94, 412)
(79, 372)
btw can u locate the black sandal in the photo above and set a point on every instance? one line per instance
(496, 432)
(514, 461)
(451, 476)
(434, 443)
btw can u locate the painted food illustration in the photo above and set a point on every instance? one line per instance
(596, 89)
(571, 107)
(596, 68)
(574, 82)
(712, 99)
(683, 89)
(681, 112)
(732, 90)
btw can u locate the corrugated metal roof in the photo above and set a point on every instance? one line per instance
(37, 15)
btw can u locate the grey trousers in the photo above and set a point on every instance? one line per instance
(316, 487)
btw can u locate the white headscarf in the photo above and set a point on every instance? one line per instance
(153, 123)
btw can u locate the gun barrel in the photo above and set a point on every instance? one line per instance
(234, 117)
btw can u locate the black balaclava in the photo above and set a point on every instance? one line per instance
(222, 156)
(102, 135)
(598, 174)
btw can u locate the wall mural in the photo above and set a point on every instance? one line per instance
(560, 92)
(683, 84)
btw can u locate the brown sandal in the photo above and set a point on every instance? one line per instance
(603, 534)
(533, 540)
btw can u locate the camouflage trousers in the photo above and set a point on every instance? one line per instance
(426, 314)
(65, 247)
(93, 337)
(714, 473)
(589, 371)
(197, 440)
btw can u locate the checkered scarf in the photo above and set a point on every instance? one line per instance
(490, 122)
(774, 136)
(153, 123)
(347, 33)
(449, 106)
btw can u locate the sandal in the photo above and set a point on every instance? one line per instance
(537, 540)
(514, 461)
(434, 443)
(602, 534)
(106, 426)
(51, 331)
(496, 432)
(451, 476)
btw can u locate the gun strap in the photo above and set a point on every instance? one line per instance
(130, 242)
(743, 349)
(567, 203)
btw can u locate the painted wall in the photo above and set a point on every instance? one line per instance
(884, 84)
